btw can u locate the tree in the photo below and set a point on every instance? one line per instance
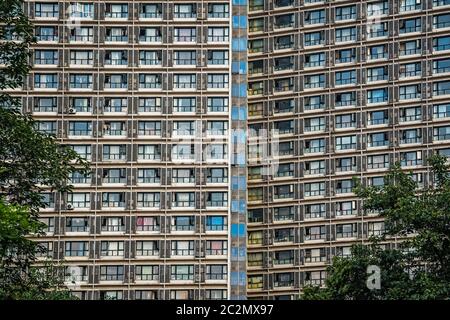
(419, 267)
(30, 162)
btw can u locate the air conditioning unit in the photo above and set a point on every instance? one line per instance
(72, 110)
(69, 206)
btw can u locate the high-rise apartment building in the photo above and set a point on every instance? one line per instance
(344, 88)
(141, 89)
(223, 135)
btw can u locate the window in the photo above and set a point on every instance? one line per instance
(377, 117)
(441, 43)
(413, 158)
(410, 25)
(182, 248)
(410, 70)
(441, 111)
(217, 175)
(255, 5)
(185, 11)
(377, 74)
(116, 10)
(113, 199)
(114, 152)
(218, 10)
(116, 58)
(410, 92)
(47, 127)
(147, 248)
(410, 5)
(148, 176)
(345, 121)
(379, 161)
(346, 230)
(441, 66)
(150, 11)
(346, 142)
(345, 13)
(346, 164)
(314, 38)
(283, 191)
(315, 124)
(314, 103)
(441, 21)
(217, 199)
(314, 189)
(217, 104)
(45, 81)
(147, 273)
(81, 10)
(377, 30)
(148, 200)
(184, 104)
(111, 273)
(49, 223)
(345, 208)
(184, 81)
(283, 21)
(379, 139)
(314, 81)
(377, 8)
(345, 56)
(76, 248)
(149, 152)
(346, 34)
(345, 77)
(185, 58)
(314, 145)
(377, 95)
(83, 151)
(46, 9)
(216, 247)
(86, 34)
(149, 128)
(182, 272)
(377, 52)
(218, 34)
(46, 57)
(411, 47)
(80, 81)
(410, 114)
(283, 63)
(45, 104)
(314, 60)
(315, 255)
(115, 105)
(441, 88)
(80, 128)
(315, 17)
(217, 81)
(216, 223)
(149, 105)
(256, 25)
(111, 248)
(344, 186)
(183, 176)
(410, 136)
(183, 199)
(144, 223)
(116, 81)
(281, 42)
(46, 33)
(150, 81)
(183, 152)
(315, 233)
(150, 34)
(81, 57)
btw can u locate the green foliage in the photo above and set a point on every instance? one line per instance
(18, 279)
(31, 160)
(418, 268)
